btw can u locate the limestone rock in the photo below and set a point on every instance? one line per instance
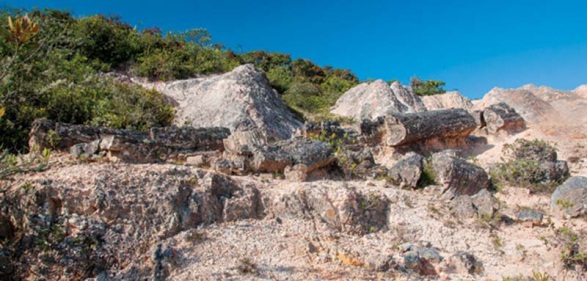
(373, 99)
(571, 196)
(532, 108)
(447, 100)
(238, 100)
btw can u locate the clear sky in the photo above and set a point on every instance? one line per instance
(471, 45)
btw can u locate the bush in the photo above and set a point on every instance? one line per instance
(54, 70)
(427, 88)
(526, 166)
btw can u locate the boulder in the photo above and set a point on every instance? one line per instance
(571, 196)
(421, 259)
(501, 117)
(407, 171)
(373, 99)
(447, 100)
(533, 217)
(457, 176)
(238, 100)
(532, 108)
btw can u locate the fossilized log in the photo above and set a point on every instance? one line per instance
(408, 128)
(501, 117)
(134, 145)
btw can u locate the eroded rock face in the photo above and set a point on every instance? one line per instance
(571, 196)
(239, 100)
(342, 209)
(532, 108)
(107, 217)
(373, 99)
(447, 100)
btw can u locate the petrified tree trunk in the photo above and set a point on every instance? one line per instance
(130, 145)
(408, 128)
(501, 117)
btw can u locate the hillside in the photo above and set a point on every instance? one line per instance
(166, 157)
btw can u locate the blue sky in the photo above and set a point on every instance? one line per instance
(471, 45)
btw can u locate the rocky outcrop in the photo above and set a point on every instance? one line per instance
(102, 219)
(571, 197)
(239, 100)
(501, 117)
(447, 100)
(373, 99)
(457, 176)
(342, 209)
(125, 145)
(532, 108)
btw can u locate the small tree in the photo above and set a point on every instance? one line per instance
(427, 88)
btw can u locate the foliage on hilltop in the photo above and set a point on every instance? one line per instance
(54, 65)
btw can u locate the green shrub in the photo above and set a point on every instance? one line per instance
(427, 88)
(523, 167)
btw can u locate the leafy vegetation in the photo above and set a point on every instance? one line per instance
(427, 88)
(53, 66)
(524, 167)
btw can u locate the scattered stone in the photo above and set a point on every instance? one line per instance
(407, 171)
(223, 166)
(485, 203)
(379, 262)
(457, 176)
(532, 217)
(571, 197)
(464, 263)
(462, 207)
(421, 259)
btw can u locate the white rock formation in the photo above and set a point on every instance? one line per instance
(448, 100)
(372, 99)
(239, 100)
